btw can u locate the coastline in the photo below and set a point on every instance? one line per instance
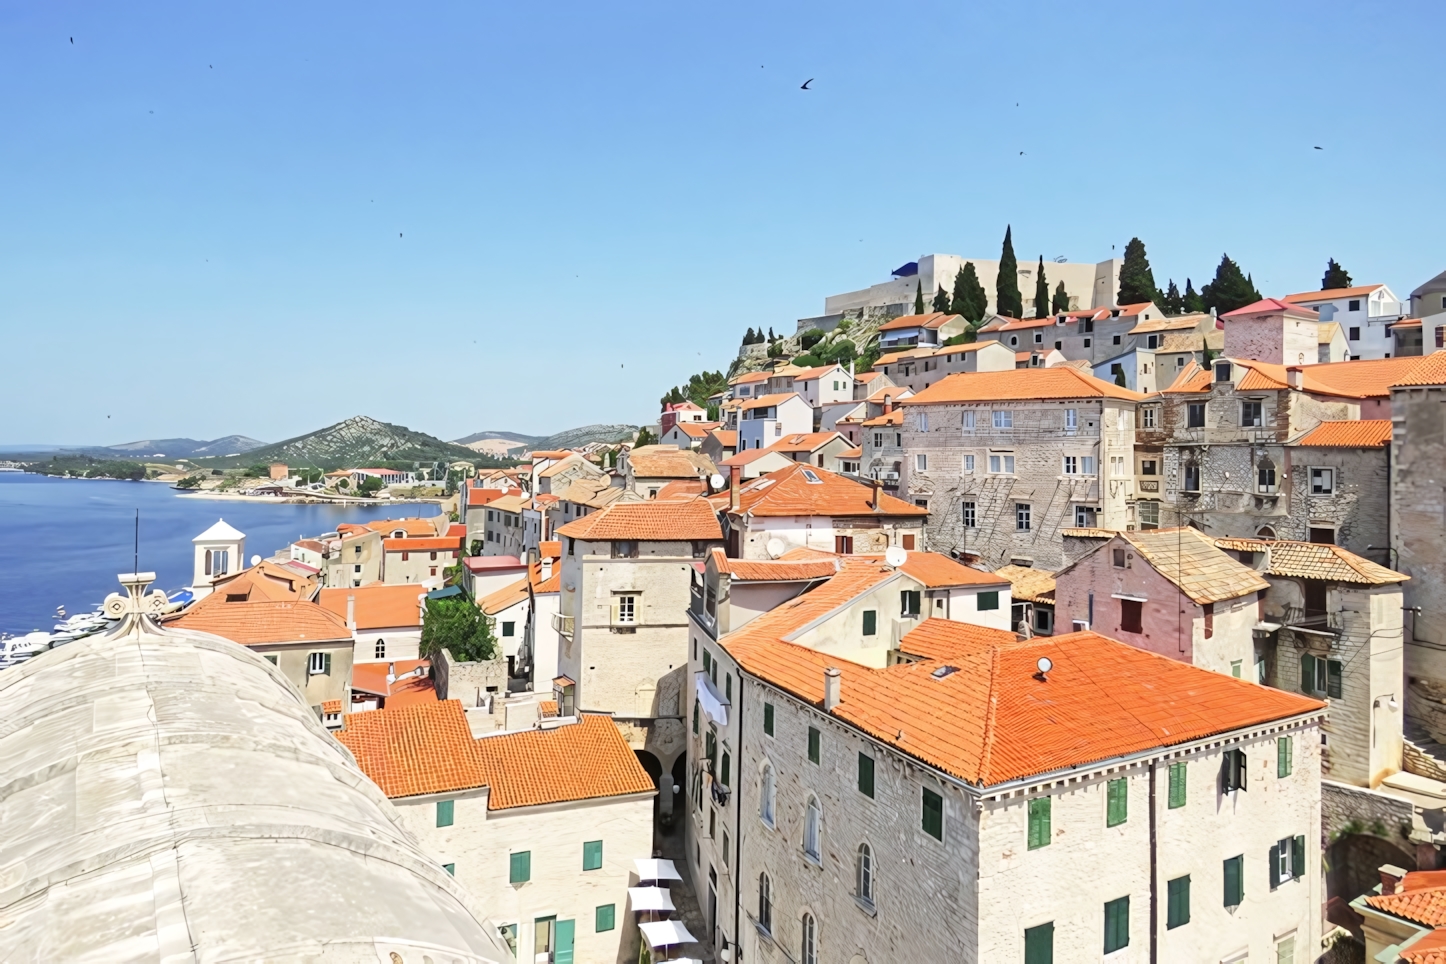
(302, 500)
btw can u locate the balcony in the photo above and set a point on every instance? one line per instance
(562, 625)
(1312, 621)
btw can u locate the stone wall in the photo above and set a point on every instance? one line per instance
(1418, 519)
(468, 681)
(1346, 810)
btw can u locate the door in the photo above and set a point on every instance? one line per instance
(1315, 597)
(909, 542)
(712, 901)
(542, 940)
(562, 942)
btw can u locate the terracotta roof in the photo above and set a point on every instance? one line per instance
(265, 581)
(866, 377)
(412, 750)
(1406, 323)
(371, 678)
(1020, 324)
(992, 720)
(562, 465)
(775, 570)
(931, 320)
(585, 760)
(1190, 559)
(421, 545)
(514, 503)
(492, 563)
(1192, 379)
(1430, 949)
(415, 528)
(1267, 306)
(1368, 378)
(1365, 433)
(1430, 370)
(681, 489)
(696, 429)
(896, 417)
(547, 708)
(788, 492)
(310, 544)
(1167, 323)
(1181, 341)
(809, 374)
(1029, 585)
(331, 706)
(593, 492)
(651, 521)
(547, 454)
(769, 401)
(1329, 294)
(1312, 560)
(668, 462)
(256, 623)
(881, 395)
(505, 598)
(728, 439)
(749, 456)
(751, 377)
(808, 442)
(1421, 898)
(853, 453)
(941, 572)
(377, 606)
(1019, 384)
(918, 351)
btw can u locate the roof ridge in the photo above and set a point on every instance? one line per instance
(991, 702)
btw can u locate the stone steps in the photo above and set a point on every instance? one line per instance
(1422, 754)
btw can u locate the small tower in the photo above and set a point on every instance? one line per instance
(219, 550)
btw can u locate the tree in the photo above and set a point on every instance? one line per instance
(459, 627)
(1061, 299)
(1137, 281)
(645, 437)
(969, 297)
(369, 487)
(1007, 300)
(477, 547)
(1335, 277)
(1041, 293)
(810, 338)
(1191, 301)
(770, 333)
(941, 300)
(1230, 290)
(919, 296)
(748, 337)
(1172, 304)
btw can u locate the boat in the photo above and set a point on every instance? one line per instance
(17, 649)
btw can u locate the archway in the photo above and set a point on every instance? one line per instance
(655, 772)
(1353, 864)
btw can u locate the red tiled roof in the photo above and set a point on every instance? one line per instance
(1430, 370)
(1329, 294)
(1019, 384)
(681, 489)
(931, 320)
(896, 417)
(412, 750)
(414, 528)
(421, 545)
(788, 492)
(1267, 306)
(728, 439)
(492, 563)
(938, 572)
(807, 442)
(256, 623)
(696, 429)
(505, 598)
(769, 401)
(808, 374)
(1421, 898)
(578, 761)
(1365, 433)
(751, 377)
(651, 521)
(377, 606)
(1020, 324)
(775, 570)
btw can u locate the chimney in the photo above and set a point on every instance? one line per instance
(1391, 878)
(877, 501)
(888, 404)
(547, 569)
(832, 683)
(735, 473)
(1292, 377)
(351, 612)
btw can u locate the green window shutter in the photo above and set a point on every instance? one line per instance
(1039, 944)
(728, 688)
(271, 657)
(933, 814)
(866, 775)
(1297, 856)
(1333, 678)
(1283, 759)
(1235, 881)
(1039, 822)
(725, 771)
(605, 918)
(1307, 674)
(450, 868)
(1117, 924)
(1177, 785)
(444, 813)
(592, 855)
(1117, 802)
(326, 664)
(519, 870)
(987, 601)
(1273, 865)
(812, 745)
(707, 661)
(695, 717)
(562, 941)
(871, 622)
(1177, 911)
(768, 719)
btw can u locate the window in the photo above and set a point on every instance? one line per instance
(1087, 465)
(1003, 418)
(1117, 466)
(1322, 481)
(1265, 478)
(1195, 415)
(878, 440)
(864, 875)
(450, 869)
(625, 610)
(1149, 513)
(1177, 907)
(1132, 616)
(968, 463)
(1147, 416)
(1354, 305)
(1177, 786)
(1021, 516)
(871, 620)
(725, 771)
(695, 717)
(909, 602)
(1284, 758)
(1234, 881)
(811, 818)
(765, 903)
(1250, 416)
(966, 422)
(1232, 771)
(1039, 813)
(866, 775)
(509, 628)
(1071, 419)
(271, 658)
(968, 518)
(813, 744)
(1117, 802)
(843, 545)
(1320, 677)
(625, 549)
(768, 719)
(767, 795)
(808, 950)
(1222, 371)
(1285, 951)
(1039, 944)
(923, 421)
(921, 462)
(444, 813)
(318, 664)
(605, 917)
(1115, 340)
(381, 649)
(933, 814)
(986, 601)
(1071, 465)
(1002, 463)
(1117, 924)
(592, 854)
(519, 870)
(1192, 478)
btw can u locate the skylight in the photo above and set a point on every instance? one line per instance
(811, 477)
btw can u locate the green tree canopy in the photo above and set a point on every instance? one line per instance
(1172, 304)
(810, 338)
(969, 297)
(1191, 301)
(645, 437)
(1335, 277)
(1230, 290)
(1007, 299)
(1137, 281)
(698, 390)
(370, 486)
(1061, 299)
(941, 300)
(919, 296)
(1041, 292)
(748, 337)
(458, 626)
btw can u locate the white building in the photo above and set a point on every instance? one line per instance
(1365, 312)
(385, 621)
(219, 550)
(765, 420)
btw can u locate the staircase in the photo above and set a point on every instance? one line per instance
(1422, 755)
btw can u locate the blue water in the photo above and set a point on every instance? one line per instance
(62, 541)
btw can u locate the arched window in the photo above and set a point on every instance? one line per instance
(1266, 532)
(864, 874)
(808, 949)
(381, 649)
(765, 903)
(766, 796)
(812, 817)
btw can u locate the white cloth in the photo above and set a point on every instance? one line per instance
(664, 933)
(709, 699)
(652, 869)
(650, 898)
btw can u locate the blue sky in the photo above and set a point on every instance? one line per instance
(264, 218)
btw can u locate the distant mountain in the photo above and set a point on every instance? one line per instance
(515, 437)
(182, 448)
(355, 443)
(495, 442)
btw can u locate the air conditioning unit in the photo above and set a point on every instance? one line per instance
(893, 476)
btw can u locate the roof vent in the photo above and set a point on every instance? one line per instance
(811, 477)
(944, 671)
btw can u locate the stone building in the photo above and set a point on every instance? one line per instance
(1005, 460)
(918, 368)
(972, 796)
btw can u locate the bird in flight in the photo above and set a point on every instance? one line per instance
(804, 85)
(1320, 148)
(72, 40)
(1021, 153)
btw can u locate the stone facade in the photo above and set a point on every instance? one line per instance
(1418, 524)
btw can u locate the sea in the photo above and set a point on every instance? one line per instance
(63, 541)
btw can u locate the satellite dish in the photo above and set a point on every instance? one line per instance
(1044, 665)
(715, 481)
(775, 548)
(896, 556)
(255, 560)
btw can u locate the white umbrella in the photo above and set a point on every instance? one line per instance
(650, 898)
(664, 933)
(653, 869)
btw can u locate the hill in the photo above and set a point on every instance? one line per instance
(516, 438)
(515, 442)
(356, 442)
(183, 448)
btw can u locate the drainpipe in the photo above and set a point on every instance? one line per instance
(738, 875)
(1154, 896)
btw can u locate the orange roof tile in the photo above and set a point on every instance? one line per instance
(652, 521)
(377, 606)
(889, 392)
(1365, 433)
(789, 492)
(681, 489)
(751, 377)
(1192, 379)
(696, 429)
(265, 581)
(1329, 294)
(1191, 560)
(1266, 306)
(931, 320)
(1421, 898)
(258, 623)
(1430, 370)
(1313, 560)
(940, 572)
(547, 708)
(853, 453)
(775, 570)
(421, 545)
(1368, 378)
(896, 417)
(1030, 585)
(331, 706)
(808, 442)
(412, 750)
(728, 439)
(414, 528)
(1019, 384)
(769, 401)
(809, 374)
(504, 598)
(585, 760)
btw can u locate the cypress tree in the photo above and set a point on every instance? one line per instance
(770, 334)
(748, 337)
(1041, 292)
(919, 297)
(1061, 299)
(1230, 290)
(941, 300)
(1335, 277)
(1137, 281)
(1007, 300)
(1191, 301)
(1174, 304)
(970, 299)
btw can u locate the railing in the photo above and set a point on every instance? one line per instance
(562, 624)
(1295, 616)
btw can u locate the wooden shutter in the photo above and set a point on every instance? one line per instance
(1177, 785)
(1307, 673)
(1297, 857)
(933, 814)
(813, 739)
(871, 622)
(768, 718)
(1234, 886)
(1333, 678)
(866, 775)
(1282, 756)
(1274, 865)
(563, 940)
(326, 664)
(1039, 822)
(613, 615)
(520, 867)
(605, 917)
(1117, 802)
(592, 853)
(1039, 944)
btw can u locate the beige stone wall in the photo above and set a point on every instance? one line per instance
(819, 532)
(294, 658)
(1418, 527)
(418, 566)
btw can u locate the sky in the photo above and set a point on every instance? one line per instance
(263, 218)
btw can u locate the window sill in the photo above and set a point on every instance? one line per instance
(813, 860)
(867, 906)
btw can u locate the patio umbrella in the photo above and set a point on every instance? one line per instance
(650, 868)
(650, 898)
(664, 933)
